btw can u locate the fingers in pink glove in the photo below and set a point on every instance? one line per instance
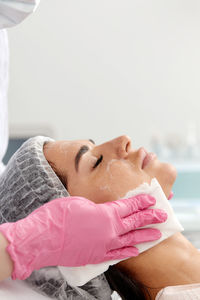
(171, 195)
(130, 239)
(143, 218)
(134, 204)
(121, 253)
(139, 236)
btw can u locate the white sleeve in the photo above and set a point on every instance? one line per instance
(4, 60)
(13, 12)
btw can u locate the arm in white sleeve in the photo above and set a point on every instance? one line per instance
(13, 12)
(6, 265)
(4, 63)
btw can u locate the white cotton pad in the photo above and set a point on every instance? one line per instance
(77, 276)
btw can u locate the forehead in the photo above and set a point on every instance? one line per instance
(71, 145)
(65, 147)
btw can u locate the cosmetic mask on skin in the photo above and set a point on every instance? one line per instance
(13, 12)
(77, 276)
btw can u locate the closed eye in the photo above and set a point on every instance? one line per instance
(99, 160)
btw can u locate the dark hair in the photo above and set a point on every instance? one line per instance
(126, 287)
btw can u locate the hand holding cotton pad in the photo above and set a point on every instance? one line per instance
(77, 276)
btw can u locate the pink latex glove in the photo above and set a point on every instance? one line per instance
(74, 231)
(171, 195)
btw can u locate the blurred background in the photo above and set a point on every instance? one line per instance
(100, 69)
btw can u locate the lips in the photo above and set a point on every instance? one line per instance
(147, 159)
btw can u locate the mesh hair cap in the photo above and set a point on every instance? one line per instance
(27, 183)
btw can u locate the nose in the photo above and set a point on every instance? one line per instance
(122, 145)
(118, 147)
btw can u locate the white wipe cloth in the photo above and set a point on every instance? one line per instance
(77, 276)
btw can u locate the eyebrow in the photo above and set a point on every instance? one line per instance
(80, 153)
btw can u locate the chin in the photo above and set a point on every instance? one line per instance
(167, 178)
(172, 173)
(165, 173)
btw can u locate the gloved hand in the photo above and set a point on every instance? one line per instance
(74, 231)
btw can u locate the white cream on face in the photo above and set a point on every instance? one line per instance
(110, 164)
(113, 161)
(108, 188)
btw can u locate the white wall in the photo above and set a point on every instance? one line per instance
(99, 69)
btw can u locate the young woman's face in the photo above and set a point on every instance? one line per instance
(108, 171)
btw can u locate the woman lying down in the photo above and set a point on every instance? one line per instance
(169, 270)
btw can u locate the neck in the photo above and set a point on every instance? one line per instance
(174, 261)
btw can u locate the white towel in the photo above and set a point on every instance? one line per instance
(77, 276)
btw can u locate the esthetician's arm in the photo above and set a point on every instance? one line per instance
(75, 231)
(6, 264)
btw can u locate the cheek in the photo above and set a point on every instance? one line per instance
(96, 191)
(115, 183)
